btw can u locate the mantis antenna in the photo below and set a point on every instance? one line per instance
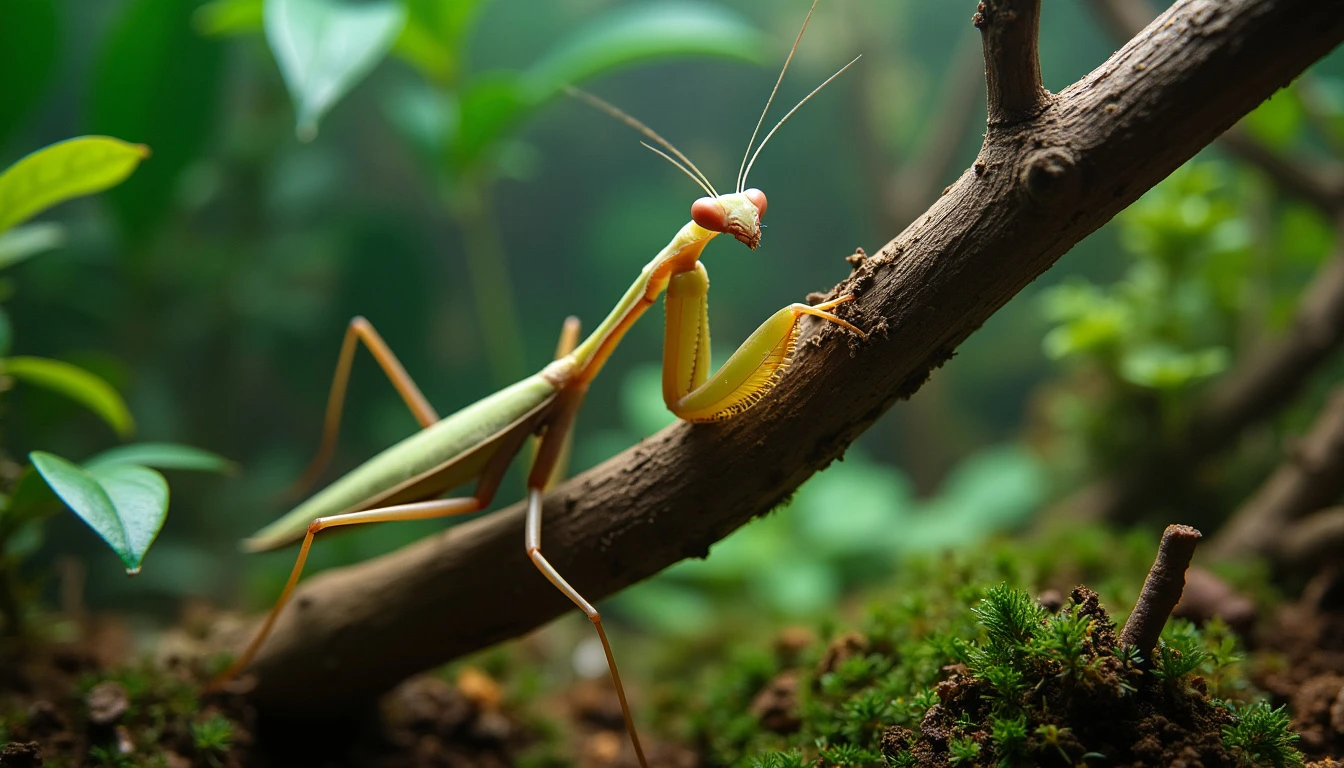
(741, 169)
(610, 109)
(790, 114)
(664, 155)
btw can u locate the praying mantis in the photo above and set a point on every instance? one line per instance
(405, 481)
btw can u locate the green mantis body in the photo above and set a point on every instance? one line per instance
(479, 441)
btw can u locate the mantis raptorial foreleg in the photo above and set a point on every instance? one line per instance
(689, 390)
(360, 330)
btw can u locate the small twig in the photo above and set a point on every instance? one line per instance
(1009, 30)
(1310, 478)
(1161, 590)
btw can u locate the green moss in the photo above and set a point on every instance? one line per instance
(1262, 737)
(963, 665)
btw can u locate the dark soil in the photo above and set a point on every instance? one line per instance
(66, 705)
(1304, 665)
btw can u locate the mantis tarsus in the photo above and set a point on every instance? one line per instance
(479, 441)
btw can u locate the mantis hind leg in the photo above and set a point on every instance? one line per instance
(486, 485)
(542, 470)
(359, 330)
(753, 370)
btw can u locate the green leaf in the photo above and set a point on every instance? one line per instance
(140, 497)
(324, 47)
(431, 40)
(6, 333)
(28, 39)
(222, 18)
(642, 33)
(27, 241)
(156, 81)
(164, 456)
(62, 171)
(77, 384)
(123, 504)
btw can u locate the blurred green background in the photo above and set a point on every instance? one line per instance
(465, 215)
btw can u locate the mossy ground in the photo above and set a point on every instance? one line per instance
(978, 660)
(985, 658)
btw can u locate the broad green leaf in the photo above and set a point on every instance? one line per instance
(163, 456)
(641, 33)
(85, 497)
(228, 17)
(6, 333)
(73, 382)
(27, 241)
(123, 504)
(157, 81)
(28, 39)
(324, 47)
(431, 41)
(140, 497)
(62, 171)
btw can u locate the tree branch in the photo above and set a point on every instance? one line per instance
(1312, 477)
(1008, 33)
(1038, 189)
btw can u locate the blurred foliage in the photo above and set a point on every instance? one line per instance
(1202, 290)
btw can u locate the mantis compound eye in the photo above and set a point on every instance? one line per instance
(708, 213)
(757, 198)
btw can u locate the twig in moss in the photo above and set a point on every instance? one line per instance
(1161, 590)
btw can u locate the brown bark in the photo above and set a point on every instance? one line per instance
(1008, 32)
(1041, 184)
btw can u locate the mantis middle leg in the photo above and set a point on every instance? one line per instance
(688, 388)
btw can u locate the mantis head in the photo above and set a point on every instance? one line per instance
(738, 214)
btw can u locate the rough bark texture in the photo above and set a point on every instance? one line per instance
(1040, 185)
(1009, 30)
(1161, 590)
